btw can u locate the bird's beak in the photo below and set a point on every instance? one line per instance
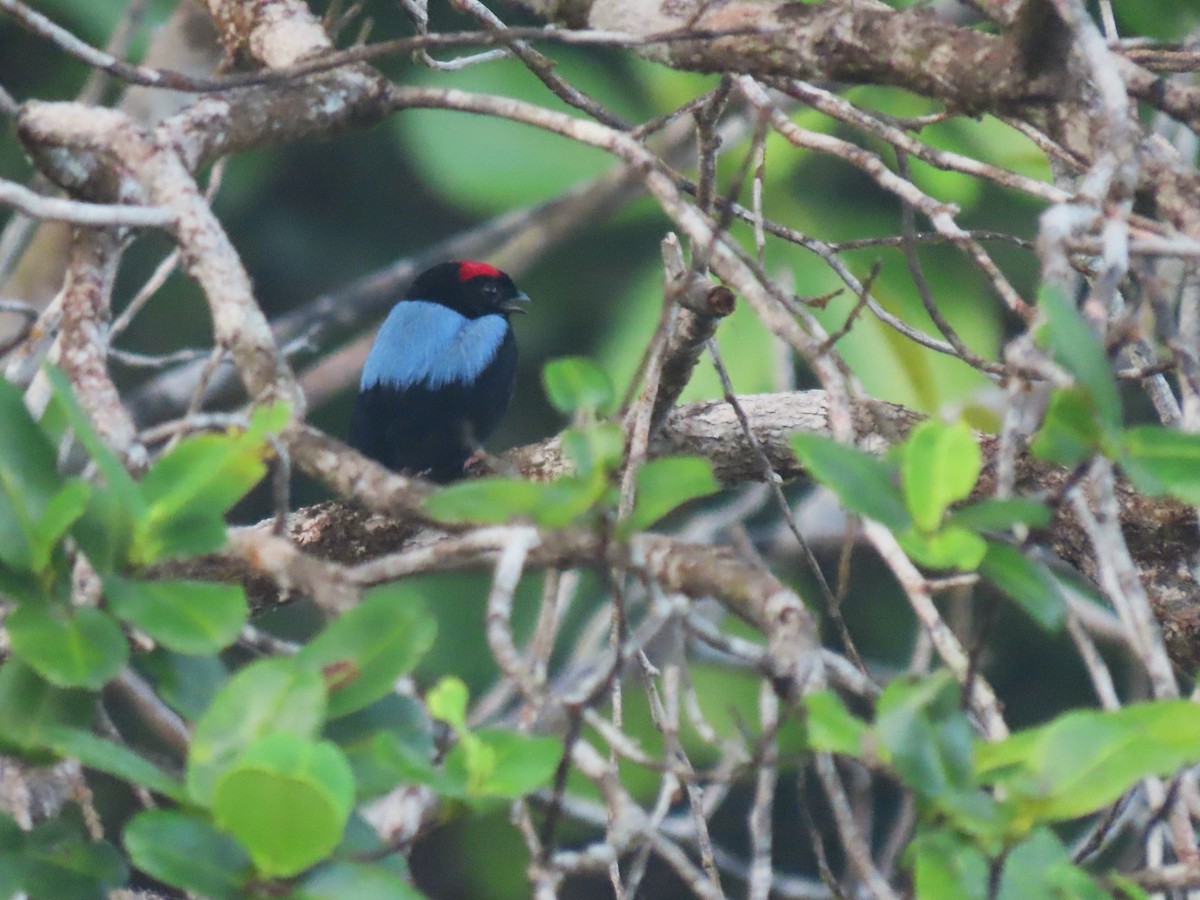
(515, 305)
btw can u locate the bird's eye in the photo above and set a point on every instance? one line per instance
(491, 289)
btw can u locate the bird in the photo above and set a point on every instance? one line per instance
(440, 374)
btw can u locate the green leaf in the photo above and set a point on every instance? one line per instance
(53, 423)
(210, 470)
(1125, 888)
(1084, 760)
(194, 617)
(27, 453)
(287, 799)
(570, 497)
(30, 706)
(267, 420)
(361, 841)
(12, 857)
(339, 880)
(187, 534)
(372, 737)
(597, 448)
(114, 759)
(864, 484)
(190, 488)
(271, 696)
(576, 384)
(664, 484)
(1000, 515)
(447, 701)
(187, 684)
(519, 764)
(374, 764)
(118, 481)
(946, 865)
(196, 483)
(940, 466)
(61, 867)
(385, 760)
(1040, 866)
(925, 734)
(72, 647)
(365, 650)
(1077, 348)
(105, 530)
(469, 766)
(28, 478)
(185, 851)
(22, 587)
(1070, 433)
(1163, 461)
(489, 500)
(61, 512)
(59, 861)
(829, 726)
(1027, 582)
(950, 548)
(1001, 759)
(552, 504)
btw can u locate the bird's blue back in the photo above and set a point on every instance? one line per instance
(430, 345)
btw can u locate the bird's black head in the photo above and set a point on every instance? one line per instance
(473, 289)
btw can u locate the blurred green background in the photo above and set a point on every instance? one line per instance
(310, 217)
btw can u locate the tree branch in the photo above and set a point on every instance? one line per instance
(859, 42)
(1161, 533)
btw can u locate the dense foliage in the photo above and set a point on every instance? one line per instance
(877, 582)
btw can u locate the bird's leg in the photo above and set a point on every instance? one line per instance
(480, 462)
(483, 463)
(477, 464)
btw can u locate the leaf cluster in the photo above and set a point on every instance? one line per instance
(280, 751)
(987, 810)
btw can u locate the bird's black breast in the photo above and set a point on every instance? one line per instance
(419, 429)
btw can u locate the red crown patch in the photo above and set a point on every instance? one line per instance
(469, 270)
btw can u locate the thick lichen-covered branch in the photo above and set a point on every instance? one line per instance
(388, 516)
